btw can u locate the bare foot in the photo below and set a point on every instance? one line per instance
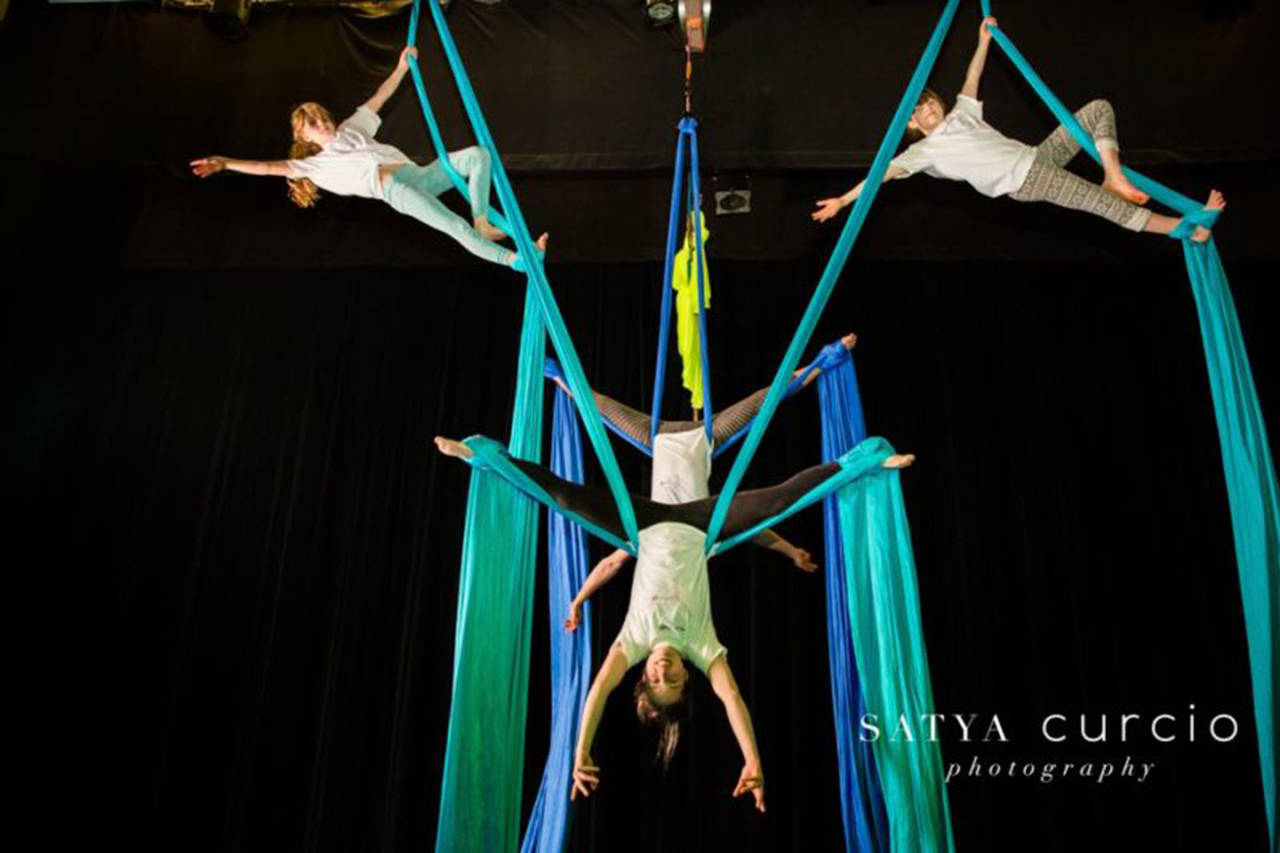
(488, 230)
(541, 242)
(1217, 201)
(1119, 185)
(850, 341)
(449, 447)
(899, 460)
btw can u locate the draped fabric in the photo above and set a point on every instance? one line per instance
(861, 801)
(1255, 503)
(567, 566)
(691, 263)
(484, 751)
(884, 612)
(1246, 456)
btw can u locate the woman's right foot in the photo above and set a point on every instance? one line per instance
(1217, 201)
(449, 447)
(899, 460)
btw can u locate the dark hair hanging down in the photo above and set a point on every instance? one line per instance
(665, 717)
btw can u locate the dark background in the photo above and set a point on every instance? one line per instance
(218, 408)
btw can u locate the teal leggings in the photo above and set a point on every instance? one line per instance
(415, 190)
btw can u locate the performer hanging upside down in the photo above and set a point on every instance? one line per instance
(682, 471)
(669, 617)
(960, 146)
(347, 160)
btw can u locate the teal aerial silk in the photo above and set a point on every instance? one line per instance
(484, 752)
(888, 641)
(831, 274)
(1246, 454)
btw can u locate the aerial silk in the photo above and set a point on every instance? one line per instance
(570, 652)
(1246, 455)
(831, 274)
(686, 160)
(484, 752)
(861, 801)
(884, 613)
(688, 263)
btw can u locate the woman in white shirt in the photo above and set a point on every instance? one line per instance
(669, 617)
(959, 145)
(348, 160)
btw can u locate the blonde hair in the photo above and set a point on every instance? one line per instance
(915, 134)
(664, 717)
(302, 191)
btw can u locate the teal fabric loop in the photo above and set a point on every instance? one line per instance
(1186, 226)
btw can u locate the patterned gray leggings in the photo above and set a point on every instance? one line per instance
(1049, 181)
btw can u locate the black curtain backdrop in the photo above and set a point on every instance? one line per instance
(217, 414)
(238, 467)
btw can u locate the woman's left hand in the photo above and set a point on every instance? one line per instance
(984, 34)
(403, 65)
(751, 779)
(803, 560)
(203, 167)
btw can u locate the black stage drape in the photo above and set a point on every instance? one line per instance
(237, 465)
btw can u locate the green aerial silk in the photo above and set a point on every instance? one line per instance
(685, 283)
(888, 641)
(484, 755)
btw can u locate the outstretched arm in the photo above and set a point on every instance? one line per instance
(389, 86)
(979, 61)
(603, 572)
(772, 541)
(203, 167)
(829, 207)
(586, 775)
(726, 688)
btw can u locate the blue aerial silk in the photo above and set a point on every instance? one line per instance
(686, 139)
(861, 801)
(835, 264)
(1246, 454)
(884, 614)
(532, 263)
(570, 652)
(484, 751)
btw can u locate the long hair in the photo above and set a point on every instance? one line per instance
(914, 134)
(302, 191)
(664, 717)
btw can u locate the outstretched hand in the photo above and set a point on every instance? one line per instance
(984, 33)
(203, 167)
(586, 776)
(827, 209)
(752, 780)
(575, 616)
(803, 560)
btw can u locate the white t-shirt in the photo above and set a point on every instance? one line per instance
(965, 148)
(670, 593)
(348, 165)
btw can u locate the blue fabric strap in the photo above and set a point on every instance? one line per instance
(537, 278)
(568, 566)
(490, 455)
(866, 827)
(1246, 455)
(686, 139)
(864, 459)
(875, 176)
